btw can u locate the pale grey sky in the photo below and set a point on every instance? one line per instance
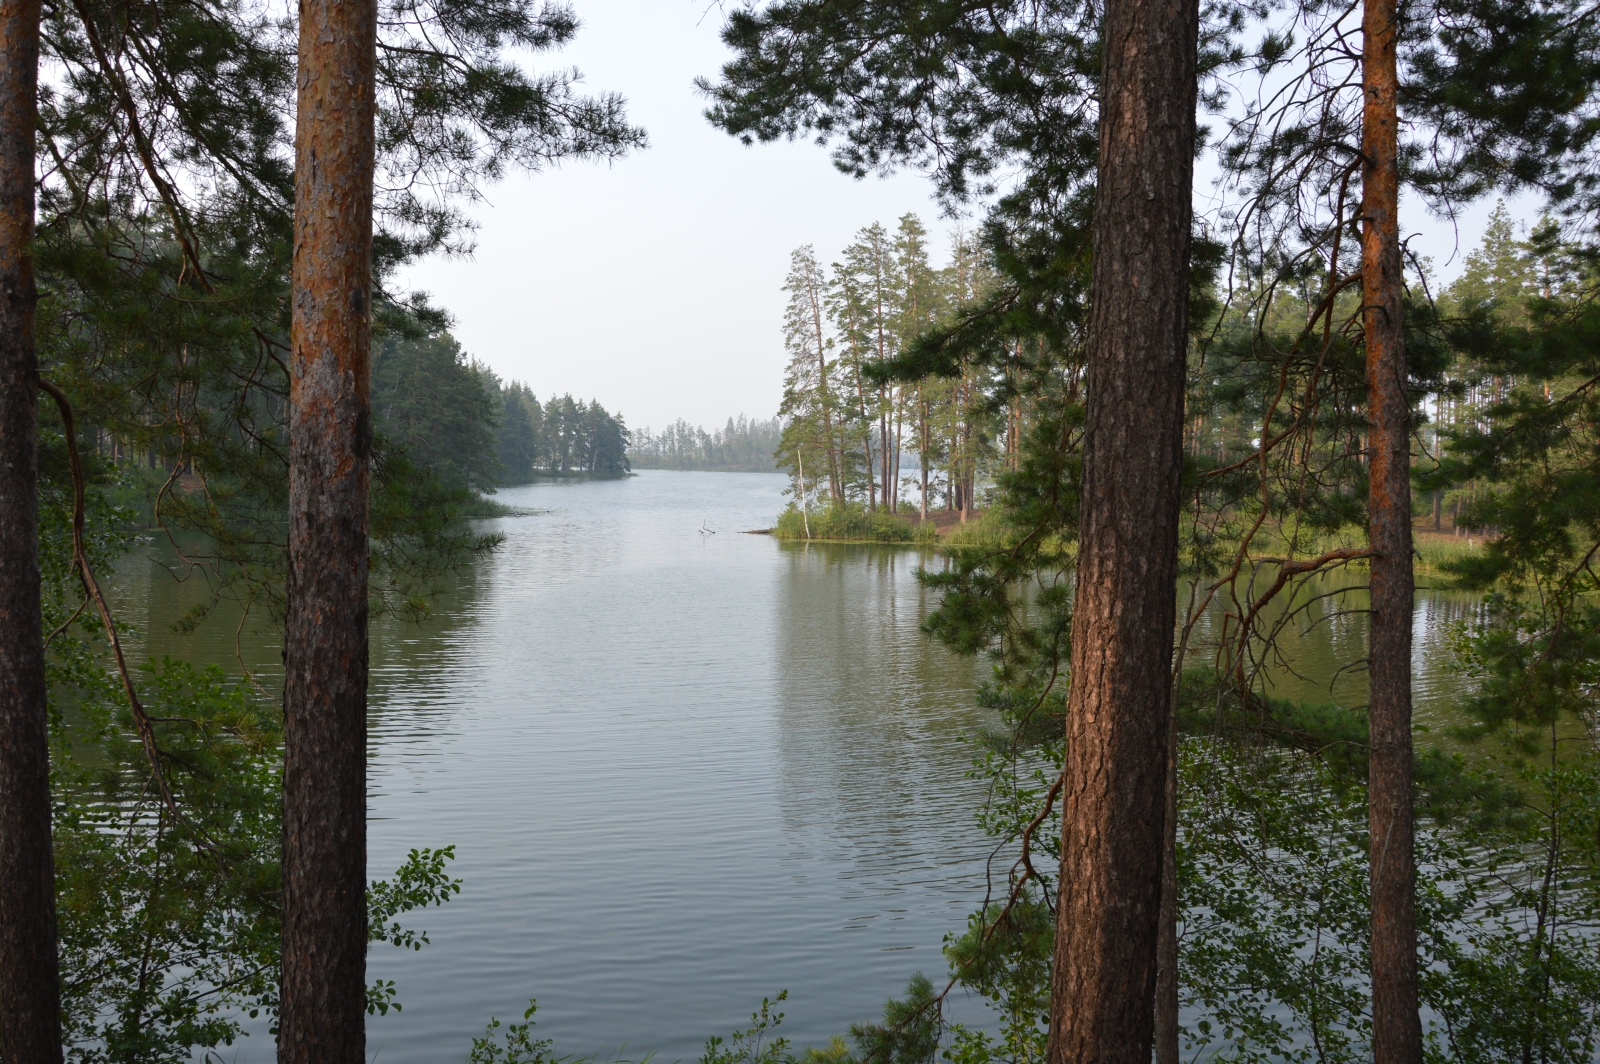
(653, 285)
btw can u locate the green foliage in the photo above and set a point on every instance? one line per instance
(430, 402)
(754, 1045)
(852, 522)
(560, 438)
(837, 1051)
(420, 882)
(961, 91)
(1520, 978)
(1531, 669)
(986, 533)
(1004, 956)
(1272, 888)
(909, 1031)
(169, 917)
(520, 1046)
(168, 923)
(168, 912)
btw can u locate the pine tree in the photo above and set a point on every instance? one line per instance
(917, 309)
(322, 1012)
(1112, 815)
(863, 311)
(517, 442)
(808, 405)
(30, 1001)
(1396, 1022)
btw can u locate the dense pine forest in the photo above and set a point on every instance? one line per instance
(455, 418)
(1200, 442)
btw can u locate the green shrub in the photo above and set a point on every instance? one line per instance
(852, 522)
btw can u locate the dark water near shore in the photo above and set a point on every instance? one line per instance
(681, 771)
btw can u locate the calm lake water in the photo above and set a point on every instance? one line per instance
(681, 771)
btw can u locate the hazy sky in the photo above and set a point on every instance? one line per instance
(653, 284)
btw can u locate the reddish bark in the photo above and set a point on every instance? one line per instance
(1396, 1024)
(323, 1009)
(30, 1001)
(1113, 804)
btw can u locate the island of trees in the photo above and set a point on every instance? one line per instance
(844, 326)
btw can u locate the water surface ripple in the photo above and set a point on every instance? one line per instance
(684, 770)
(681, 771)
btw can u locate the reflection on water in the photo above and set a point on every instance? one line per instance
(870, 758)
(681, 771)
(1319, 640)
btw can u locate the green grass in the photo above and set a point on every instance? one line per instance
(986, 532)
(1435, 551)
(852, 523)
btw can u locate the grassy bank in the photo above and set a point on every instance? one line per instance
(1436, 549)
(852, 523)
(855, 524)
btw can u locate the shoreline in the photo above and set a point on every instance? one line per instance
(937, 532)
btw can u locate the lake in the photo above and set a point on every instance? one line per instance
(681, 770)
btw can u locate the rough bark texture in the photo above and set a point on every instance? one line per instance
(30, 1003)
(323, 1011)
(1396, 1025)
(1167, 1026)
(1113, 803)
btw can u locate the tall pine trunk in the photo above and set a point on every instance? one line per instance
(1168, 1029)
(30, 995)
(1113, 802)
(898, 423)
(835, 489)
(323, 1009)
(883, 451)
(866, 427)
(922, 447)
(1396, 1025)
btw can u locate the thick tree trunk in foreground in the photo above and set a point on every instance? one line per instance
(30, 996)
(323, 1011)
(1396, 1025)
(1167, 1027)
(1113, 803)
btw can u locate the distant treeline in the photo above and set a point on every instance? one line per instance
(558, 438)
(457, 418)
(743, 445)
